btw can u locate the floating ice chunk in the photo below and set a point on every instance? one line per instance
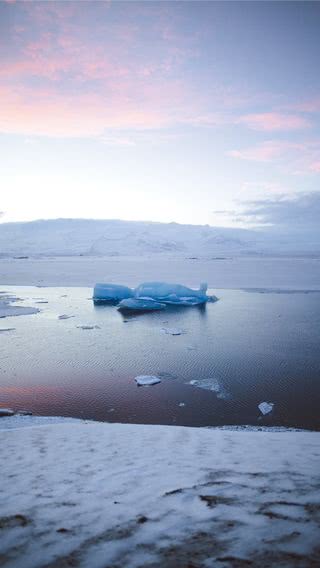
(88, 326)
(147, 380)
(265, 407)
(64, 317)
(111, 293)
(213, 385)
(6, 412)
(181, 404)
(171, 331)
(176, 294)
(212, 298)
(140, 304)
(7, 309)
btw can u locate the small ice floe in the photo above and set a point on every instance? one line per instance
(266, 407)
(171, 331)
(213, 385)
(6, 412)
(140, 305)
(3, 329)
(181, 404)
(212, 299)
(64, 317)
(147, 380)
(7, 309)
(88, 326)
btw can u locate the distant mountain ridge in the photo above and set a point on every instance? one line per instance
(89, 237)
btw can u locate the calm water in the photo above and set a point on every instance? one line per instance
(256, 346)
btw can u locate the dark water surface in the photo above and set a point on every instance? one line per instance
(255, 346)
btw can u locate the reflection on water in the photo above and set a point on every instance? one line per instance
(254, 347)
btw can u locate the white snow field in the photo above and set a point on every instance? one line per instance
(99, 495)
(94, 237)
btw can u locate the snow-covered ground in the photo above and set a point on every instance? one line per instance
(235, 272)
(115, 495)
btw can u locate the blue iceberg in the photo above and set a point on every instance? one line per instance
(140, 305)
(151, 296)
(175, 294)
(112, 293)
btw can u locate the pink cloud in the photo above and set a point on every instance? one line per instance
(296, 158)
(273, 121)
(264, 152)
(51, 114)
(69, 80)
(65, 77)
(311, 106)
(315, 167)
(84, 84)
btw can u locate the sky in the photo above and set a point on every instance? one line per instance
(193, 112)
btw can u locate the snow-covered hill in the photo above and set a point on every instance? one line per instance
(114, 237)
(88, 237)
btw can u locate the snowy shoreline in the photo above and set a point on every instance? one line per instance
(98, 494)
(17, 421)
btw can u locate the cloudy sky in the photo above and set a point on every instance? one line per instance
(160, 111)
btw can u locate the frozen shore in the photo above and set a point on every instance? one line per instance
(287, 273)
(93, 494)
